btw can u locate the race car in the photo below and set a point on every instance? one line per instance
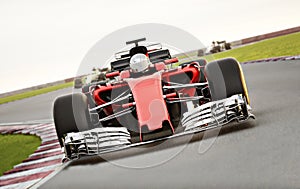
(94, 77)
(144, 99)
(78, 83)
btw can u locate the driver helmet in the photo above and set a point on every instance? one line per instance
(139, 62)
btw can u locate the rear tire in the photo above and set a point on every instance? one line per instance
(225, 78)
(71, 114)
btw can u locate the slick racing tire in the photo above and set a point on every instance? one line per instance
(71, 114)
(225, 78)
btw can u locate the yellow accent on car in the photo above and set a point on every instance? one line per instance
(244, 84)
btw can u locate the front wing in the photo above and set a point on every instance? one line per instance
(107, 139)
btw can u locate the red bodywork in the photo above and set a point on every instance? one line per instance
(149, 100)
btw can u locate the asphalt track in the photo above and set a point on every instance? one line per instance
(262, 153)
(37, 108)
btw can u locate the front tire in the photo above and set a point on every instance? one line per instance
(225, 79)
(71, 114)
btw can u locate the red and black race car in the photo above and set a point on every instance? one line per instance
(144, 99)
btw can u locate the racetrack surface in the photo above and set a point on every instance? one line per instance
(31, 109)
(262, 153)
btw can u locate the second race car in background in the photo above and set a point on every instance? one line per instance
(94, 77)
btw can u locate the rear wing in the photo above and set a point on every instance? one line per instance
(120, 65)
(126, 53)
(155, 56)
(159, 56)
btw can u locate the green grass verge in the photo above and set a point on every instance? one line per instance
(35, 92)
(15, 148)
(287, 45)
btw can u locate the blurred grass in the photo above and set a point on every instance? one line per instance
(15, 148)
(287, 45)
(35, 92)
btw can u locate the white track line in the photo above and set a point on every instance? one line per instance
(46, 130)
(44, 138)
(45, 152)
(33, 122)
(47, 135)
(50, 176)
(49, 139)
(47, 146)
(21, 185)
(42, 126)
(39, 161)
(28, 172)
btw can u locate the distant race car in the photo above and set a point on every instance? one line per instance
(78, 83)
(94, 77)
(97, 75)
(144, 99)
